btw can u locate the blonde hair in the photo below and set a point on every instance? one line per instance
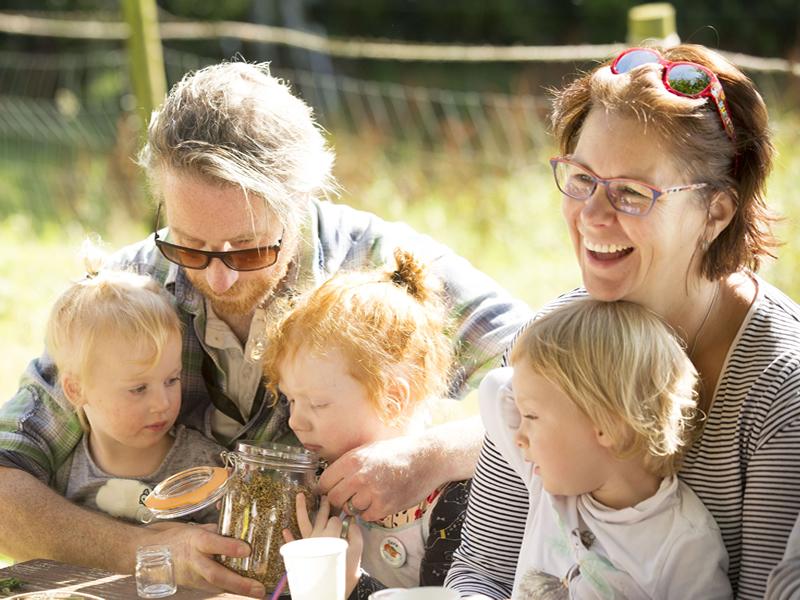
(624, 369)
(106, 303)
(388, 323)
(235, 124)
(698, 143)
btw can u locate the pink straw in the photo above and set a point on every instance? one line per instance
(279, 587)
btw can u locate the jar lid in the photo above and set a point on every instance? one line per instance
(186, 492)
(272, 453)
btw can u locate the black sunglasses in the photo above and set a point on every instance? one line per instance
(249, 259)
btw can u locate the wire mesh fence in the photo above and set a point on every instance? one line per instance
(57, 111)
(68, 136)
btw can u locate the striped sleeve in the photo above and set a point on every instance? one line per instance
(746, 465)
(486, 561)
(772, 490)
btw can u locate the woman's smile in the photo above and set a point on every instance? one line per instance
(606, 253)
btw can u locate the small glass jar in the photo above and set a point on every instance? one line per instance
(259, 503)
(155, 576)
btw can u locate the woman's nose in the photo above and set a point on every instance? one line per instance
(597, 208)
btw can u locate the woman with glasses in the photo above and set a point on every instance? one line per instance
(664, 157)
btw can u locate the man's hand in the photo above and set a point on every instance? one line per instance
(38, 523)
(378, 479)
(388, 476)
(193, 549)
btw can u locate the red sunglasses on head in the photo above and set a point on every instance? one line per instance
(682, 78)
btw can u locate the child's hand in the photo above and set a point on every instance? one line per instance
(327, 526)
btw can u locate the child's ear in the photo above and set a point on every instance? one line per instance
(72, 390)
(603, 439)
(398, 396)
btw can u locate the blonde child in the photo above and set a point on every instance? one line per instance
(593, 414)
(356, 360)
(115, 339)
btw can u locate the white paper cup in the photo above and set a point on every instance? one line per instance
(417, 593)
(315, 568)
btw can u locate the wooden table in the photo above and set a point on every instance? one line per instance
(41, 574)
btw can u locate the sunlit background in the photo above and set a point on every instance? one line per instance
(458, 149)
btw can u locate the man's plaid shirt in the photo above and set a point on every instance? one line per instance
(39, 429)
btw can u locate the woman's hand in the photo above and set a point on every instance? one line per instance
(326, 525)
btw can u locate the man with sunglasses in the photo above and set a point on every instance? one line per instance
(239, 167)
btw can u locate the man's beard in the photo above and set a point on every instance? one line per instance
(243, 296)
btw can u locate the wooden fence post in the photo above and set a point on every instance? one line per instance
(145, 57)
(655, 21)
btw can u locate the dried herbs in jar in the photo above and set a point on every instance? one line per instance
(259, 503)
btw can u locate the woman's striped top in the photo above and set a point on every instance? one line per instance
(745, 466)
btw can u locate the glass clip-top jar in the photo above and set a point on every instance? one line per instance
(258, 491)
(260, 503)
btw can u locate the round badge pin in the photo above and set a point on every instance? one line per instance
(393, 552)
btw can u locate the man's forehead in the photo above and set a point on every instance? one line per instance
(201, 209)
(180, 185)
(231, 222)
